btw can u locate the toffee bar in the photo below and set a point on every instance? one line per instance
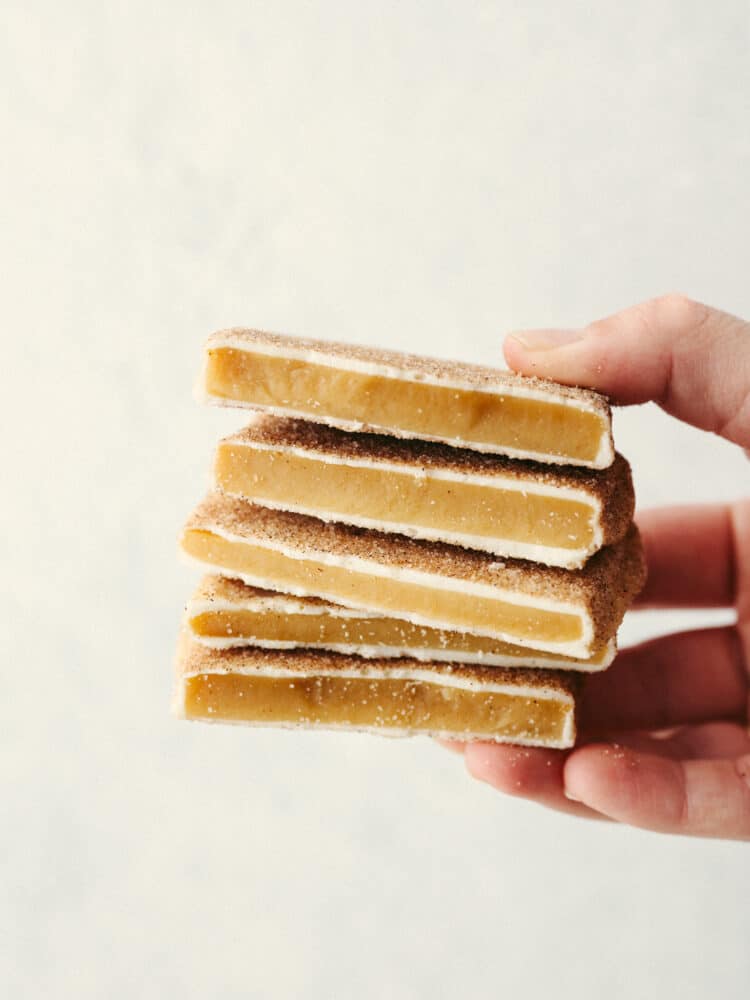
(304, 689)
(424, 490)
(225, 613)
(358, 388)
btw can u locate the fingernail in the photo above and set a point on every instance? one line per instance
(546, 340)
(569, 795)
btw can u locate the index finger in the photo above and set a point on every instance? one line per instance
(694, 361)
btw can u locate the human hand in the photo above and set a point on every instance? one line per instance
(664, 739)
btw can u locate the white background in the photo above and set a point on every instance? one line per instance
(424, 175)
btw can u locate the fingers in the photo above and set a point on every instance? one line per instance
(714, 741)
(670, 681)
(741, 530)
(692, 360)
(710, 741)
(707, 798)
(539, 775)
(690, 554)
(527, 772)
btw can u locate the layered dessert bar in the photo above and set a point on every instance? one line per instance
(557, 516)
(303, 688)
(224, 613)
(360, 389)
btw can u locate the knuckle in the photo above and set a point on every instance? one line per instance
(679, 310)
(598, 330)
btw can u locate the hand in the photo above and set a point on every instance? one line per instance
(664, 741)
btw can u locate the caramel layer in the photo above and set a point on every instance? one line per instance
(398, 696)
(375, 704)
(507, 521)
(517, 425)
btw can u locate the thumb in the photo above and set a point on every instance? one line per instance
(692, 360)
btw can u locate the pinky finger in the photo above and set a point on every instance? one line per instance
(705, 798)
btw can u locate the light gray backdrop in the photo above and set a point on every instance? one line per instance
(423, 175)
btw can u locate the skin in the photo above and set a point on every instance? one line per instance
(665, 742)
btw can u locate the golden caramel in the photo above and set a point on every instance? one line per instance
(337, 630)
(399, 500)
(485, 420)
(377, 702)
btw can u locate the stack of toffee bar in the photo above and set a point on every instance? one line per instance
(403, 545)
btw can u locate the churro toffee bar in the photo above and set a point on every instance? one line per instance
(557, 516)
(357, 388)
(307, 689)
(225, 613)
